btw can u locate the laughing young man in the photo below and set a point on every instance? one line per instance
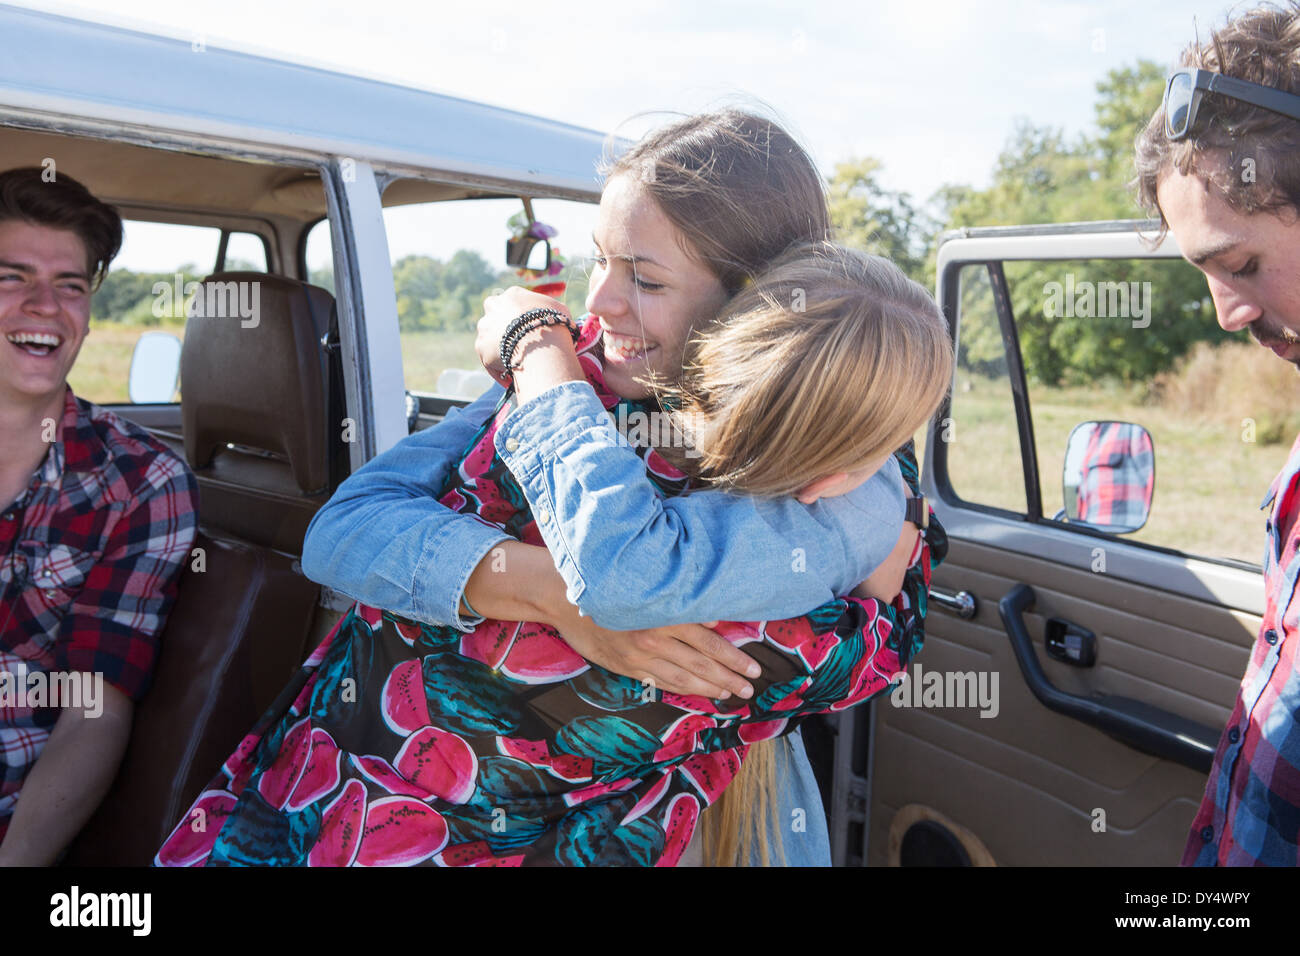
(1220, 162)
(96, 520)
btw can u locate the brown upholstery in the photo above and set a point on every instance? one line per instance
(260, 384)
(241, 627)
(237, 634)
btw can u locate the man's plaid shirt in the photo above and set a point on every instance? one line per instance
(1250, 815)
(89, 559)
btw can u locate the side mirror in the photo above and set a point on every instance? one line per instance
(528, 252)
(412, 411)
(1109, 477)
(155, 369)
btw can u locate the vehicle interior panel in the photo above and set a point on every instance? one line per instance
(1032, 763)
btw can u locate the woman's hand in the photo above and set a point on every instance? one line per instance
(680, 658)
(499, 310)
(685, 659)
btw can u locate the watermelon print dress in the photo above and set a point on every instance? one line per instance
(400, 743)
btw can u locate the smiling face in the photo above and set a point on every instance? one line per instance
(1251, 262)
(44, 310)
(647, 292)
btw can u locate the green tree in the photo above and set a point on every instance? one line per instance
(867, 216)
(1041, 177)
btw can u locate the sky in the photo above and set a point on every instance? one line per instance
(932, 89)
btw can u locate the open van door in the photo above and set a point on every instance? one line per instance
(1078, 667)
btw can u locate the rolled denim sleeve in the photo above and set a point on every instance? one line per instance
(631, 559)
(384, 538)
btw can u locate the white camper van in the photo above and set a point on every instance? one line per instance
(276, 173)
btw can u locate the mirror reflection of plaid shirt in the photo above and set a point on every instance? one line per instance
(1118, 476)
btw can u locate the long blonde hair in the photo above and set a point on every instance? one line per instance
(830, 359)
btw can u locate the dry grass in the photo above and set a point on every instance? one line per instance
(426, 354)
(100, 373)
(1210, 474)
(1236, 384)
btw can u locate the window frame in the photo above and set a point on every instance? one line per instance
(1043, 243)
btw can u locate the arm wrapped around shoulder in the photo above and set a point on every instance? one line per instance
(842, 653)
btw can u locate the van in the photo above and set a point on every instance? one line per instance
(292, 179)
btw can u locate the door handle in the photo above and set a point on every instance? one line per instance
(961, 603)
(1140, 725)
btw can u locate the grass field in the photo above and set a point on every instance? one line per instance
(101, 370)
(105, 360)
(1209, 481)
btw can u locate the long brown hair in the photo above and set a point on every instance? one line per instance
(736, 186)
(740, 190)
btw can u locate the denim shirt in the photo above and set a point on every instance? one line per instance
(702, 556)
(384, 539)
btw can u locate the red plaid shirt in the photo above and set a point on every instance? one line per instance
(89, 559)
(1250, 815)
(1118, 477)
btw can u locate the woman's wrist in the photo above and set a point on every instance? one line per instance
(526, 322)
(544, 357)
(518, 582)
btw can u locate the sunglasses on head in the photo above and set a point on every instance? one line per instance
(1186, 88)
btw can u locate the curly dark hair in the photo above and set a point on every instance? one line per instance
(1261, 46)
(63, 203)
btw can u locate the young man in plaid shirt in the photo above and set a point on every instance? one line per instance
(96, 520)
(1223, 170)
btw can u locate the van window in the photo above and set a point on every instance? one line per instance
(447, 257)
(1183, 415)
(246, 252)
(145, 291)
(981, 434)
(319, 255)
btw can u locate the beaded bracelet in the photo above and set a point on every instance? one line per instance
(523, 324)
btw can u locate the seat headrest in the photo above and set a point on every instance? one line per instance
(254, 371)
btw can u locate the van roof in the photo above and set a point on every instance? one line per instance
(59, 67)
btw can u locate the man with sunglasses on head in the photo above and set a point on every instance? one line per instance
(96, 520)
(1220, 163)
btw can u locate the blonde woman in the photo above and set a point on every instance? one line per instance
(734, 191)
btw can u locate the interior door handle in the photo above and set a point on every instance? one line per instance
(961, 603)
(1132, 722)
